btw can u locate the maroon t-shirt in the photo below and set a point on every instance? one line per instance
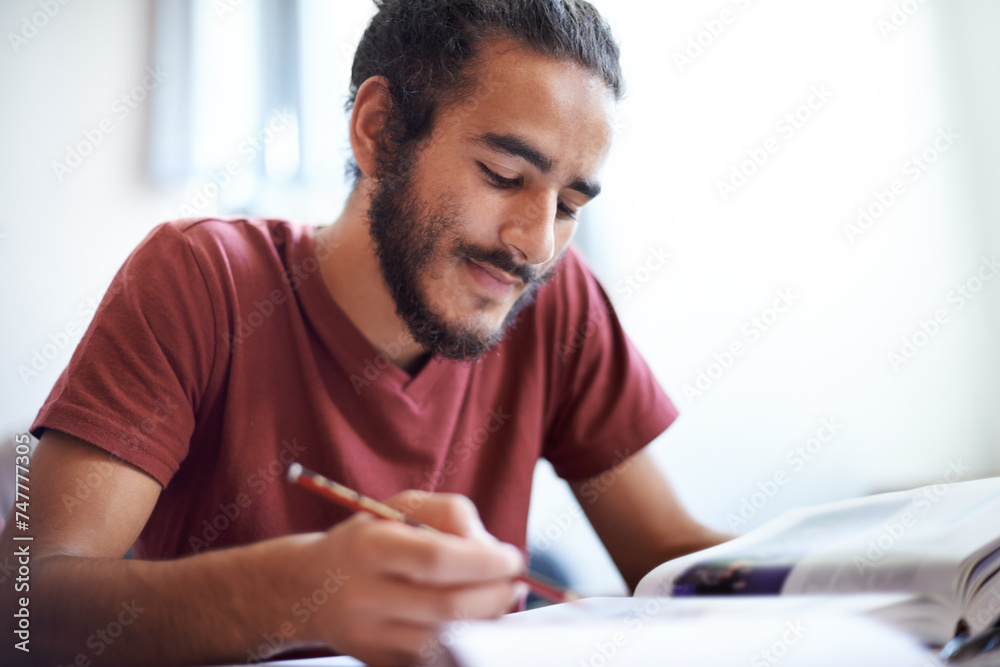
(218, 356)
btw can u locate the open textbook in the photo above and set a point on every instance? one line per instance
(799, 631)
(940, 544)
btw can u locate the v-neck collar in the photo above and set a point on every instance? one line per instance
(355, 353)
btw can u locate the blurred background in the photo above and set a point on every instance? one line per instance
(800, 224)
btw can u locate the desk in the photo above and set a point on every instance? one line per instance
(338, 661)
(630, 632)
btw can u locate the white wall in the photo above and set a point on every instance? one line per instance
(684, 128)
(681, 132)
(64, 239)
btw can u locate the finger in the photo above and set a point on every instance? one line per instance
(422, 643)
(416, 603)
(394, 643)
(423, 556)
(447, 512)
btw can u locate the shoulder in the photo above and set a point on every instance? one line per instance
(235, 247)
(231, 236)
(572, 271)
(571, 296)
(568, 310)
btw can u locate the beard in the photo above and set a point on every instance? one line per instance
(410, 238)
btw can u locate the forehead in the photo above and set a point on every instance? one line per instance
(559, 107)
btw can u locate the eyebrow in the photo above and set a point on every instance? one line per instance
(515, 146)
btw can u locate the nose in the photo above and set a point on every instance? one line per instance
(530, 228)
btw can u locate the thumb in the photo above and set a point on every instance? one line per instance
(447, 512)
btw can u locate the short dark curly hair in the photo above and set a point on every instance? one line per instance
(424, 48)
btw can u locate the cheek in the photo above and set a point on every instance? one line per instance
(564, 233)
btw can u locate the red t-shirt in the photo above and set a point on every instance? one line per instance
(218, 356)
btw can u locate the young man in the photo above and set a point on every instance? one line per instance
(426, 348)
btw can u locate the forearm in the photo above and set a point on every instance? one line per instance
(214, 607)
(695, 539)
(638, 563)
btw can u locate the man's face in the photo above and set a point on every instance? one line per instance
(475, 219)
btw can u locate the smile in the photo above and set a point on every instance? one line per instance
(499, 284)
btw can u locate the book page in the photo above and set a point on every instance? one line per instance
(759, 562)
(627, 631)
(933, 543)
(926, 540)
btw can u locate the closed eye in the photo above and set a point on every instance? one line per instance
(503, 183)
(567, 211)
(498, 180)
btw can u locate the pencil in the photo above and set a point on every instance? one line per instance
(353, 500)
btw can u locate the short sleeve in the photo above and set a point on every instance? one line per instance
(609, 403)
(140, 370)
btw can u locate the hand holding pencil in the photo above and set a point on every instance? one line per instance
(351, 499)
(402, 582)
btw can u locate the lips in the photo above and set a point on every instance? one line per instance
(497, 274)
(491, 281)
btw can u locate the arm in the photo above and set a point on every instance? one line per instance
(388, 584)
(639, 519)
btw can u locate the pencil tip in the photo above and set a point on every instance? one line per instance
(294, 472)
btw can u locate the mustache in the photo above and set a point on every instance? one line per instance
(502, 260)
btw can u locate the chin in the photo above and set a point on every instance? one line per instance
(490, 322)
(471, 325)
(474, 311)
(478, 325)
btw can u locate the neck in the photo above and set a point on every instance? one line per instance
(354, 280)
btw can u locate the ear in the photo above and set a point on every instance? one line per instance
(371, 109)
